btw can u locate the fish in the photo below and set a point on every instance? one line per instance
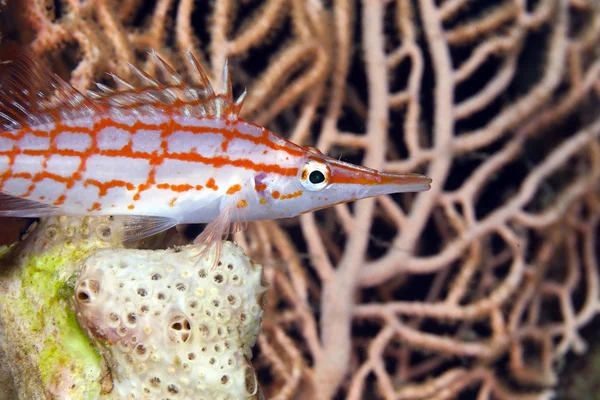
(160, 150)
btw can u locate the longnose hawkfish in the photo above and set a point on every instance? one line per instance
(161, 152)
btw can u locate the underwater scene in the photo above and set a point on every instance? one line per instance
(299, 199)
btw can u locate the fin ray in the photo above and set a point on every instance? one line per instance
(168, 74)
(230, 220)
(150, 94)
(12, 206)
(139, 227)
(31, 95)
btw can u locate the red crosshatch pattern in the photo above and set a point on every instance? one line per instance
(166, 149)
(122, 156)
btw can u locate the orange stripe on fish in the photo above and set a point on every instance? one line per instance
(149, 151)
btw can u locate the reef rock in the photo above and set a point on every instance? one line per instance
(170, 325)
(41, 344)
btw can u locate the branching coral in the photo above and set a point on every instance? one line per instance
(480, 286)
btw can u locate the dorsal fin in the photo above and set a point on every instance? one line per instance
(31, 95)
(169, 91)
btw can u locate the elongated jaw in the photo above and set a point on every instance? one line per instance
(368, 182)
(401, 183)
(329, 182)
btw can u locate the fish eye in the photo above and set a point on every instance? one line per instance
(315, 176)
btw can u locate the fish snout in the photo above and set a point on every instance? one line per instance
(374, 183)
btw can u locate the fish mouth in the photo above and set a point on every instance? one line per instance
(349, 174)
(406, 179)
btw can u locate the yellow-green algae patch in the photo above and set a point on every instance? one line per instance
(48, 277)
(47, 351)
(3, 251)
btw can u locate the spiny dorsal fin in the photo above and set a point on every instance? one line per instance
(169, 91)
(31, 95)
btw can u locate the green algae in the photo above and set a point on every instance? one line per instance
(66, 288)
(48, 353)
(4, 251)
(47, 286)
(73, 351)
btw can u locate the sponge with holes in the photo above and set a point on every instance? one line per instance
(170, 325)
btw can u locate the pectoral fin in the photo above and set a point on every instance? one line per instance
(134, 227)
(139, 227)
(231, 219)
(11, 206)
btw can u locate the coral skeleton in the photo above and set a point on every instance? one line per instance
(170, 326)
(83, 318)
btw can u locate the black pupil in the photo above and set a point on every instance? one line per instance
(316, 177)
